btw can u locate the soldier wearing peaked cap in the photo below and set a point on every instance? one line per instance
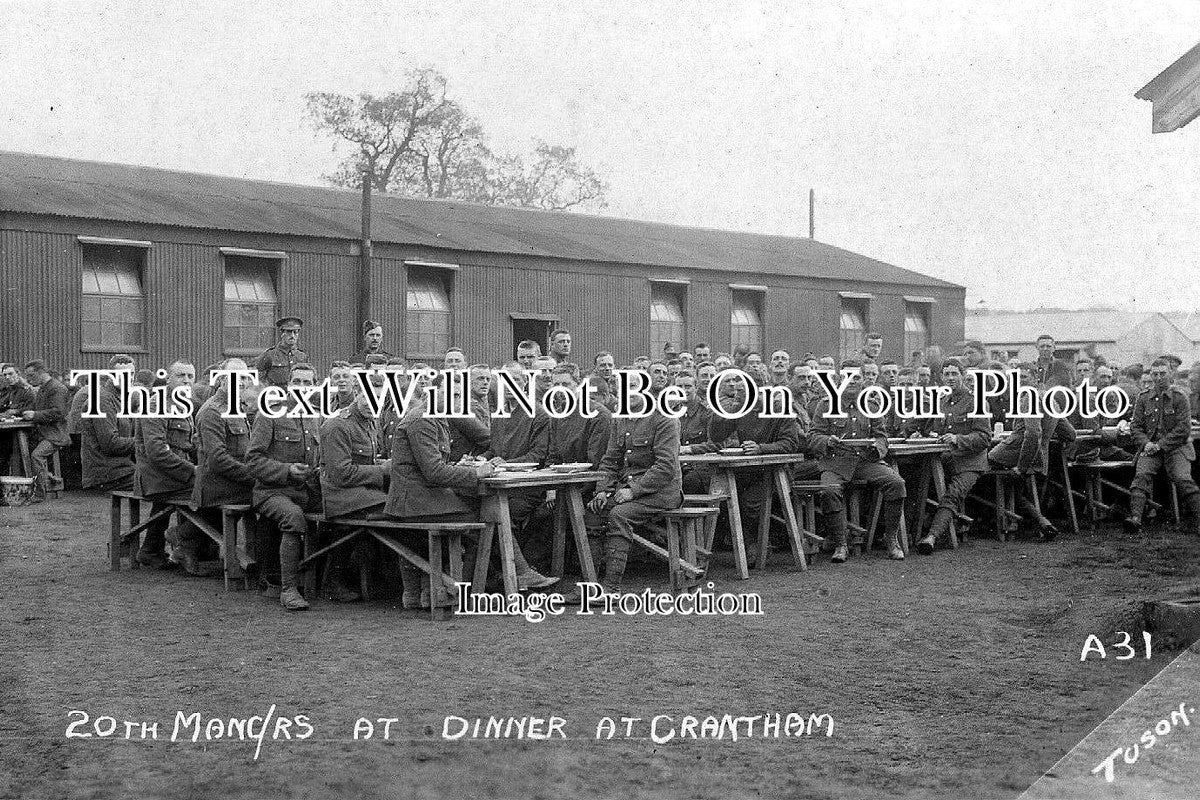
(275, 364)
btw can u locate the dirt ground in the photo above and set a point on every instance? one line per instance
(957, 675)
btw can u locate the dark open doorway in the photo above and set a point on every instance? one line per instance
(534, 327)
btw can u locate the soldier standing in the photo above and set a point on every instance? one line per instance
(275, 364)
(1162, 432)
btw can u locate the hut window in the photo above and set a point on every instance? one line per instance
(427, 322)
(916, 328)
(251, 305)
(746, 321)
(667, 321)
(113, 310)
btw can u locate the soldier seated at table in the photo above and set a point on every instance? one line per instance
(15, 396)
(841, 463)
(164, 454)
(49, 415)
(354, 476)
(641, 479)
(755, 434)
(473, 435)
(427, 486)
(283, 459)
(968, 438)
(1162, 433)
(693, 430)
(572, 440)
(1026, 451)
(521, 438)
(223, 476)
(106, 443)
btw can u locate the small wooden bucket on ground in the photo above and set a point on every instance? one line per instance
(15, 490)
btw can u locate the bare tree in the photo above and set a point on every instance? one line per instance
(420, 143)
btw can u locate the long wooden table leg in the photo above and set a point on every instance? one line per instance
(938, 473)
(1062, 457)
(23, 446)
(114, 541)
(504, 532)
(135, 540)
(490, 512)
(764, 519)
(795, 535)
(574, 500)
(559, 557)
(922, 492)
(723, 481)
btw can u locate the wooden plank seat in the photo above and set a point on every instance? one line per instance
(717, 500)
(864, 536)
(805, 495)
(1095, 483)
(686, 557)
(235, 560)
(445, 551)
(231, 515)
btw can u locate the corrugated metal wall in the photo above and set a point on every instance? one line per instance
(605, 306)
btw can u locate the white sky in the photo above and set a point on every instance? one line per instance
(997, 145)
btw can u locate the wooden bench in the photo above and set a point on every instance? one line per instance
(235, 560)
(231, 515)
(445, 550)
(806, 493)
(1095, 483)
(683, 525)
(716, 500)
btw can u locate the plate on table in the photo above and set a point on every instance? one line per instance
(732, 451)
(517, 466)
(578, 466)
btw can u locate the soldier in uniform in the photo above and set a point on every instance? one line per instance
(354, 477)
(641, 480)
(372, 337)
(969, 439)
(283, 459)
(841, 463)
(601, 378)
(222, 474)
(1027, 449)
(164, 452)
(275, 364)
(473, 435)
(49, 413)
(1162, 433)
(756, 434)
(560, 346)
(106, 443)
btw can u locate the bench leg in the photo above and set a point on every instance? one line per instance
(114, 542)
(310, 574)
(229, 546)
(673, 556)
(135, 541)
(438, 596)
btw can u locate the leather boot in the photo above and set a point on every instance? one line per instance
(413, 581)
(1137, 504)
(596, 546)
(616, 553)
(939, 526)
(891, 527)
(1193, 505)
(835, 527)
(289, 559)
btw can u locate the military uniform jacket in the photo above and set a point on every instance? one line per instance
(771, 435)
(106, 444)
(974, 435)
(693, 425)
(361, 356)
(643, 454)
(855, 425)
(275, 444)
(470, 436)
(604, 394)
(424, 480)
(16, 398)
(576, 439)
(50, 412)
(275, 366)
(350, 478)
(521, 438)
(1164, 418)
(222, 472)
(165, 451)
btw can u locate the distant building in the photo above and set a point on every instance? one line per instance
(1122, 337)
(103, 258)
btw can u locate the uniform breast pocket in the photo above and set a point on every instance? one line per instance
(179, 434)
(239, 437)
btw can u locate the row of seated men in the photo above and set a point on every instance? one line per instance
(354, 464)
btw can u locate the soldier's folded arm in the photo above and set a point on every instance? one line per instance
(423, 442)
(220, 460)
(110, 442)
(57, 407)
(978, 440)
(597, 437)
(160, 454)
(610, 463)
(339, 462)
(266, 470)
(787, 438)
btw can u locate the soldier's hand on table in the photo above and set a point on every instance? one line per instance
(622, 496)
(384, 462)
(597, 503)
(950, 439)
(27, 415)
(484, 470)
(881, 448)
(685, 450)
(1150, 449)
(751, 448)
(298, 472)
